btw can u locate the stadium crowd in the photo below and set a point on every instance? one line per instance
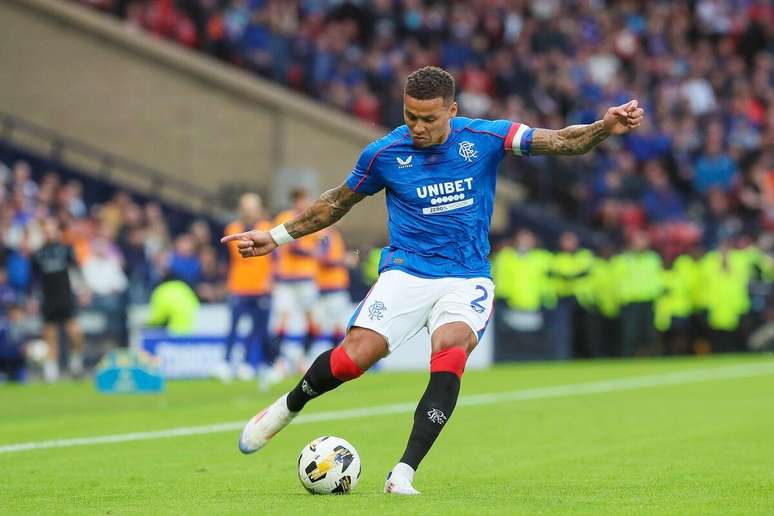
(119, 248)
(702, 69)
(60, 255)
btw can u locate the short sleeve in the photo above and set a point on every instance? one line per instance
(365, 177)
(515, 137)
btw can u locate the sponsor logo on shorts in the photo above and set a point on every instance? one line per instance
(436, 416)
(375, 310)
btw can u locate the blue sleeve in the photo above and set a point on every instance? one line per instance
(495, 127)
(513, 136)
(365, 177)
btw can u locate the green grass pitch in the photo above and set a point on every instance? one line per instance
(700, 446)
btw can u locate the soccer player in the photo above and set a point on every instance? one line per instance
(333, 285)
(249, 288)
(438, 172)
(51, 264)
(295, 289)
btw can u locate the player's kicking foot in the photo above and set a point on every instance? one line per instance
(265, 425)
(399, 480)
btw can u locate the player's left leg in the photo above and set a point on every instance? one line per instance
(456, 322)
(451, 345)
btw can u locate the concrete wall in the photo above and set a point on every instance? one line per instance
(86, 75)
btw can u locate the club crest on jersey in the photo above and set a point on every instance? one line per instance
(467, 151)
(405, 163)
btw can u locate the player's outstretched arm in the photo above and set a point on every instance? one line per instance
(330, 207)
(579, 139)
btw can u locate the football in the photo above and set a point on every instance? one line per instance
(329, 465)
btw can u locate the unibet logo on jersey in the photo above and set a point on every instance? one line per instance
(446, 195)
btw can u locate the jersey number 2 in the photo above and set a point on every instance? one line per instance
(476, 303)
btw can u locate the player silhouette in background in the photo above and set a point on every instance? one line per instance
(52, 264)
(249, 288)
(438, 172)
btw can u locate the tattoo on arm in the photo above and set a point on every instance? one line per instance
(575, 139)
(330, 207)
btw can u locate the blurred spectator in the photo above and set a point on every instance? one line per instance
(212, 285)
(52, 264)
(71, 199)
(156, 234)
(639, 273)
(201, 234)
(104, 276)
(184, 262)
(137, 267)
(660, 200)
(8, 295)
(714, 168)
(725, 275)
(23, 184)
(12, 360)
(173, 306)
(719, 222)
(569, 267)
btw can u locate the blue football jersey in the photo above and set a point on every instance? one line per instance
(439, 198)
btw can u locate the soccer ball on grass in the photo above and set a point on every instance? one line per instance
(329, 465)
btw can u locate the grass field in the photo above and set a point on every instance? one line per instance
(659, 436)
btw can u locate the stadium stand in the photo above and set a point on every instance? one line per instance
(699, 159)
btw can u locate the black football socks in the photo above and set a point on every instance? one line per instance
(434, 410)
(317, 380)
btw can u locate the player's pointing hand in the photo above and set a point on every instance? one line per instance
(622, 119)
(252, 243)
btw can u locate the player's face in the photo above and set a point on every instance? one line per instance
(428, 120)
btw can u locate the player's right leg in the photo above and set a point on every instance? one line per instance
(395, 309)
(361, 349)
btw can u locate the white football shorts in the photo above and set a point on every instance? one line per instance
(331, 311)
(399, 305)
(292, 301)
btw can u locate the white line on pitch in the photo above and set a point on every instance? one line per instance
(556, 391)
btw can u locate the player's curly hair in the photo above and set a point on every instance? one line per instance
(430, 82)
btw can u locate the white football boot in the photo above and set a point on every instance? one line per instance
(265, 425)
(399, 480)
